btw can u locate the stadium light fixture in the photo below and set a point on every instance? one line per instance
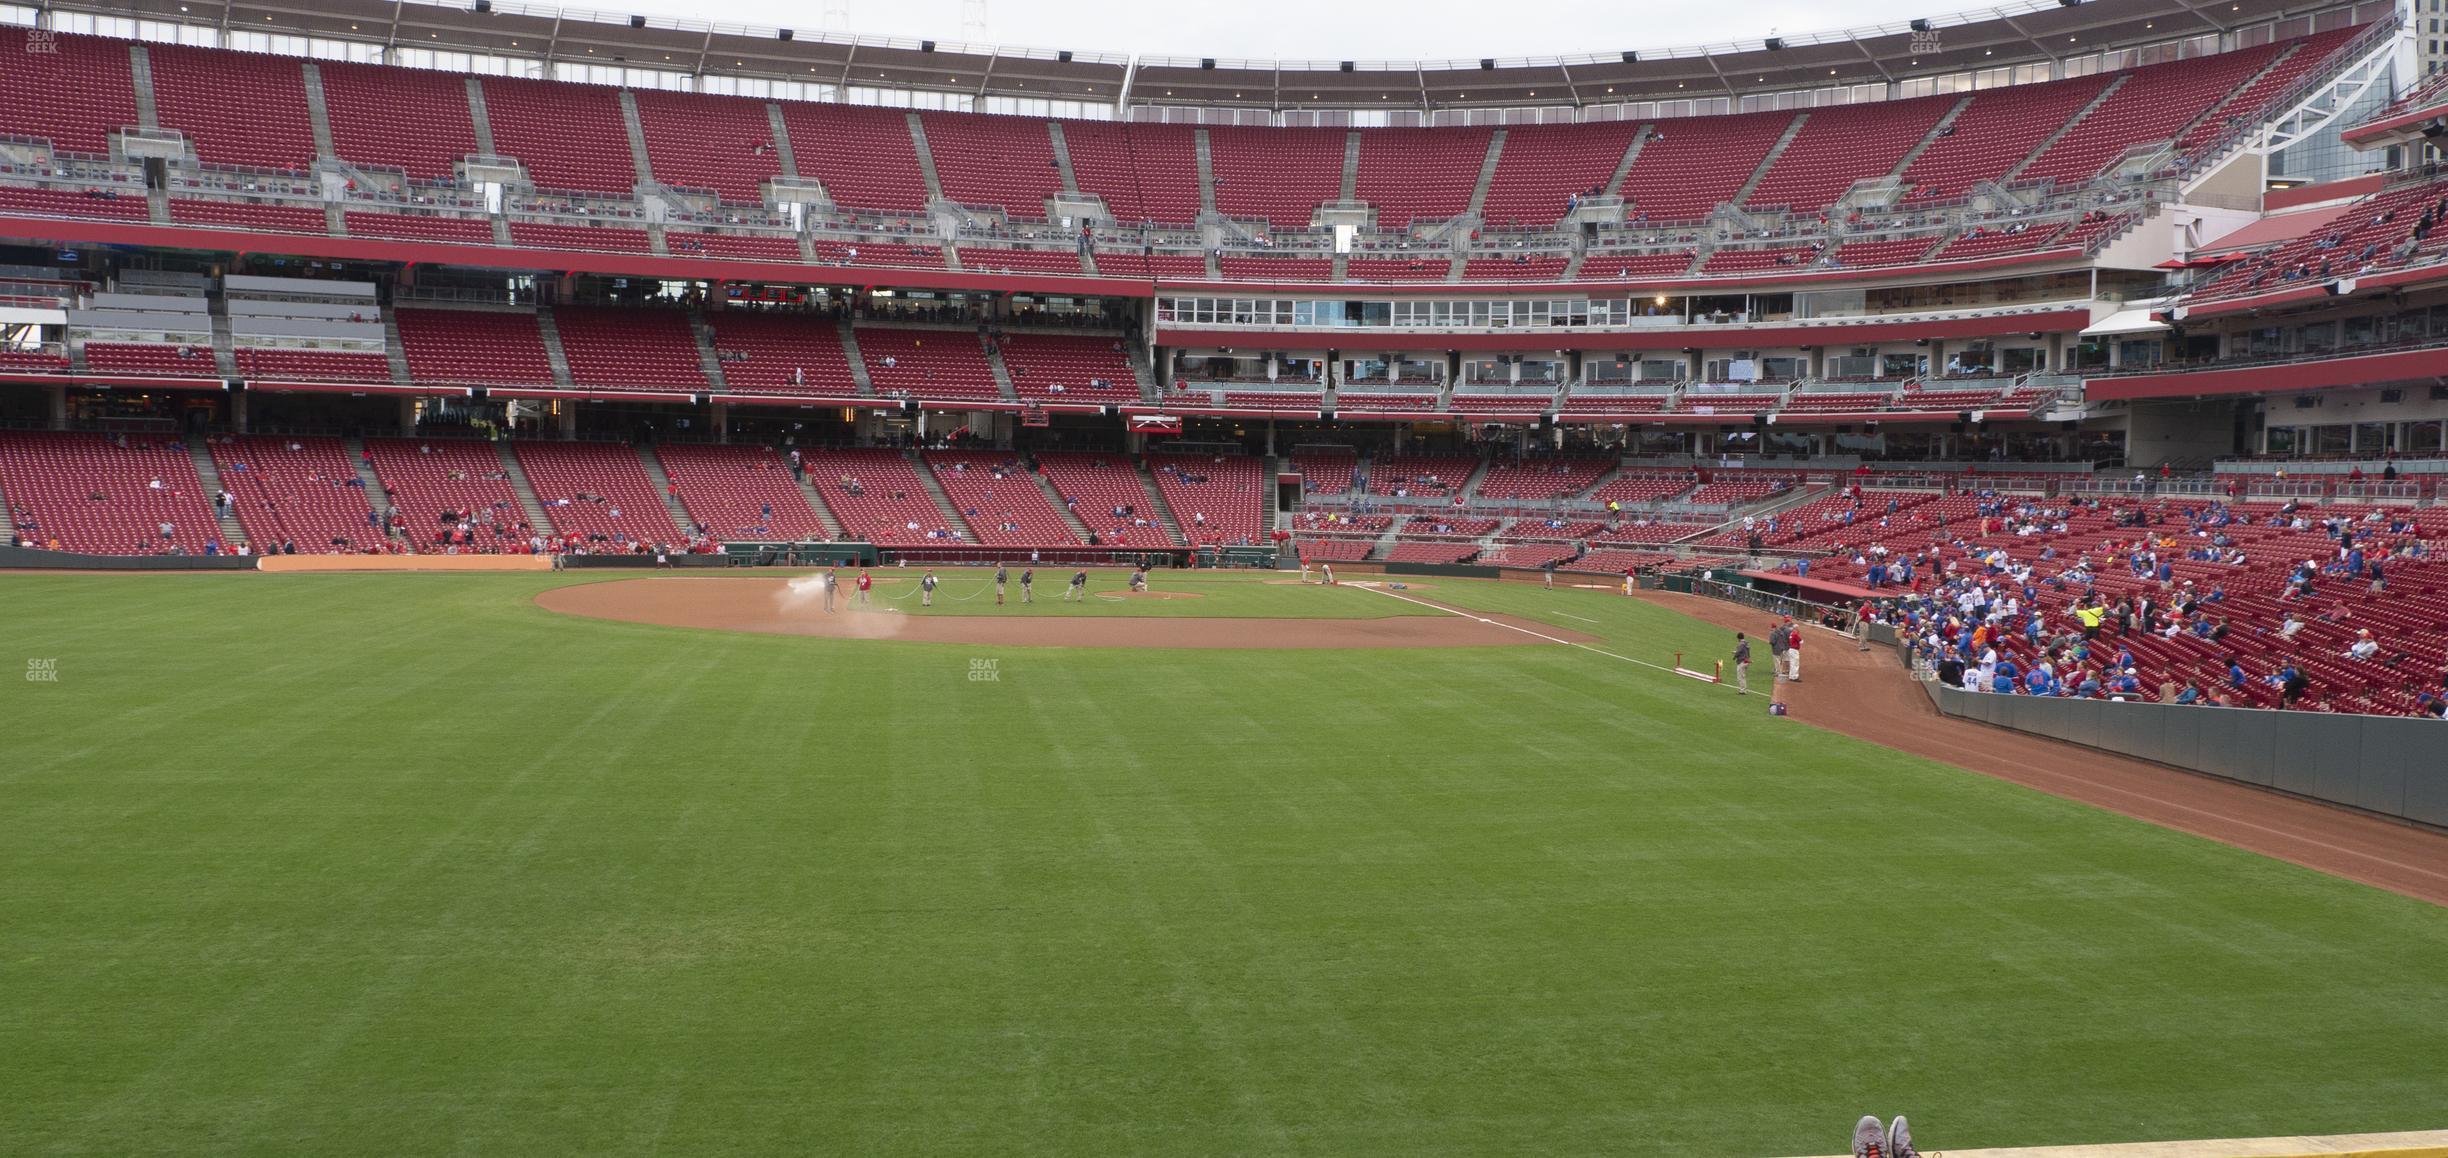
(637, 22)
(1631, 57)
(782, 34)
(1207, 64)
(1920, 24)
(1487, 64)
(1347, 66)
(1776, 44)
(926, 46)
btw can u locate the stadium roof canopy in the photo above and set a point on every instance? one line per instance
(2021, 32)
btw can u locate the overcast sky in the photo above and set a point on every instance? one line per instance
(1315, 30)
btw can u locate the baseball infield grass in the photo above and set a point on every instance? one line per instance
(404, 865)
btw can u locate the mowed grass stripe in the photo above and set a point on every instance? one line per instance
(403, 864)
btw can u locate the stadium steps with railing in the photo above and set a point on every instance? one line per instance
(1069, 519)
(481, 119)
(858, 364)
(661, 479)
(551, 332)
(1002, 373)
(706, 359)
(1206, 176)
(522, 488)
(393, 351)
(926, 159)
(1931, 137)
(148, 118)
(1157, 504)
(1478, 475)
(318, 118)
(1351, 167)
(1487, 174)
(1632, 152)
(1769, 159)
(224, 340)
(1062, 156)
(208, 472)
(1384, 546)
(816, 503)
(375, 497)
(635, 130)
(943, 498)
(2041, 150)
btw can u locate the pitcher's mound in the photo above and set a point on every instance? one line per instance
(771, 606)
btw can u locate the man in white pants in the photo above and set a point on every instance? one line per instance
(1793, 654)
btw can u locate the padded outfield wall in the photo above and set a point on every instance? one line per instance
(2390, 765)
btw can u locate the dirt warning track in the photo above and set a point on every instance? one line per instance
(773, 607)
(1866, 695)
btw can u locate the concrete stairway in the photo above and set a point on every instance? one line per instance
(943, 500)
(365, 475)
(552, 348)
(926, 157)
(1931, 137)
(1206, 174)
(393, 350)
(1487, 173)
(1062, 156)
(140, 70)
(524, 489)
(318, 116)
(1351, 167)
(2043, 147)
(1769, 159)
(824, 514)
(224, 341)
(1002, 373)
(662, 482)
(1052, 496)
(784, 153)
(858, 365)
(1623, 169)
(1157, 506)
(1385, 542)
(482, 119)
(706, 359)
(209, 473)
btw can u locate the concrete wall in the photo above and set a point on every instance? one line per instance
(2388, 765)
(2159, 432)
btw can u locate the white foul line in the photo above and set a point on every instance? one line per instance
(1525, 630)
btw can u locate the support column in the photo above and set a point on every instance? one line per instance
(722, 422)
(1270, 436)
(407, 417)
(57, 397)
(569, 422)
(238, 411)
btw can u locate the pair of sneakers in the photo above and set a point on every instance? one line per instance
(1871, 1140)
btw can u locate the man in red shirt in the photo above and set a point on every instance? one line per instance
(866, 584)
(1793, 652)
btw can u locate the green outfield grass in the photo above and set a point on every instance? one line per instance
(405, 865)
